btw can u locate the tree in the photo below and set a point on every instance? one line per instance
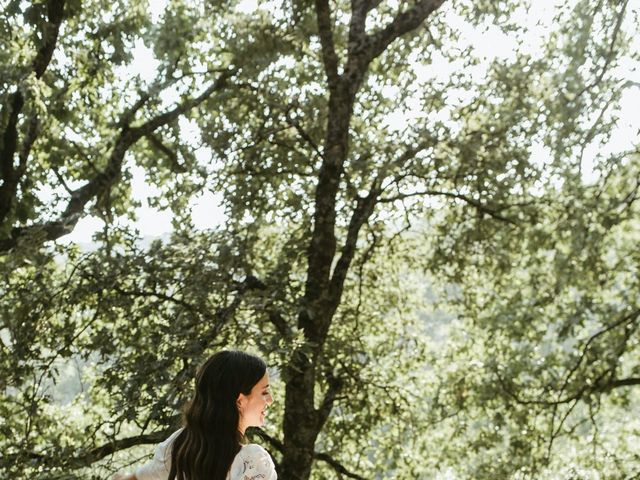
(553, 317)
(293, 105)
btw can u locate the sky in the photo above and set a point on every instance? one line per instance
(490, 43)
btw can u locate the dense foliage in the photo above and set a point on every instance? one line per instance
(434, 244)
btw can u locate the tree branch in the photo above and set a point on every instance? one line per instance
(630, 318)
(325, 32)
(278, 321)
(492, 212)
(101, 184)
(167, 152)
(90, 457)
(604, 382)
(364, 209)
(127, 117)
(278, 445)
(359, 10)
(95, 454)
(8, 147)
(335, 385)
(55, 14)
(159, 295)
(609, 57)
(303, 134)
(403, 23)
(10, 176)
(621, 382)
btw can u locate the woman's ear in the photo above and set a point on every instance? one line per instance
(241, 401)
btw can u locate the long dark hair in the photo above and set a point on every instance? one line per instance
(209, 441)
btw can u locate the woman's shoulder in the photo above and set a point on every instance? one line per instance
(253, 449)
(255, 454)
(160, 464)
(253, 463)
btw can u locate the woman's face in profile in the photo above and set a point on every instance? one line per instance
(253, 407)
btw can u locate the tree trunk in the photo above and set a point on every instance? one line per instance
(303, 421)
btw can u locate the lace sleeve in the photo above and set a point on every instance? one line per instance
(253, 463)
(158, 467)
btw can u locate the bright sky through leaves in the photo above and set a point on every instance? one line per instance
(489, 42)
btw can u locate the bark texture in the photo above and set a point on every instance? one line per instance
(303, 419)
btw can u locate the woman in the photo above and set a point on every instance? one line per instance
(232, 393)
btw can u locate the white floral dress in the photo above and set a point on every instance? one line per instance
(251, 463)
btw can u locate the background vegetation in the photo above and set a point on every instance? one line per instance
(432, 242)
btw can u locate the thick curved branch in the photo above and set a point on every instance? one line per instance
(363, 48)
(8, 147)
(335, 387)
(341, 100)
(373, 45)
(359, 11)
(95, 454)
(8, 173)
(622, 382)
(325, 32)
(102, 183)
(362, 212)
(338, 467)
(325, 457)
(481, 207)
(55, 14)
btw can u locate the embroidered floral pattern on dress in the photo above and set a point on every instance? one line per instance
(251, 463)
(257, 464)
